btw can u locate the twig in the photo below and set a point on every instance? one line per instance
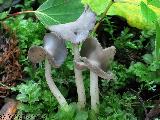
(103, 16)
(17, 13)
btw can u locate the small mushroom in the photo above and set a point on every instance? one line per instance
(78, 30)
(97, 60)
(54, 49)
(54, 52)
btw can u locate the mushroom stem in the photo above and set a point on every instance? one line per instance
(79, 80)
(94, 91)
(60, 98)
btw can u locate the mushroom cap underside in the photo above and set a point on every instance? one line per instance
(54, 50)
(97, 70)
(92, 50)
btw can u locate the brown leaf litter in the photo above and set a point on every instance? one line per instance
(10, 69)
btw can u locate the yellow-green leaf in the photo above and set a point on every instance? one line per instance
(97, 6)
(128, 9)
(131, 11)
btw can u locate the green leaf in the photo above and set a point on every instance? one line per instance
(140, 70)
(92, 115)
(59, 11)
(22, 97)
(148, 13)
(29, 92)
(70, 65)
(148, 58)
(3, 15)
(157, 41)
(155, 3)
(1, 1)
(154, 66)
(97, 6)
(82, 115)
(66, 113)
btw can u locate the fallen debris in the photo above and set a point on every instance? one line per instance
(9, 109)
(10, 69)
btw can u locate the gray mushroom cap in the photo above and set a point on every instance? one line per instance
(36, 54)
(78, 30)
(54, 49)
(95, 58)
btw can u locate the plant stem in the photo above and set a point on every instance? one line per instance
(60, 98)
(103, 16)
(94, 91)
(17, 13)
(79, 80)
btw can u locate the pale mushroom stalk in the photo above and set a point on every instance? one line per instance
(96, 59)
(60, 98)
(94, 91)
(54, 53)
(79, 80)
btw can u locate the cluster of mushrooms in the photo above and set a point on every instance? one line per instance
(91, 56)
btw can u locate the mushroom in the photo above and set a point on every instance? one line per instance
(97, 60)
(76, 32)
(54, 52)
